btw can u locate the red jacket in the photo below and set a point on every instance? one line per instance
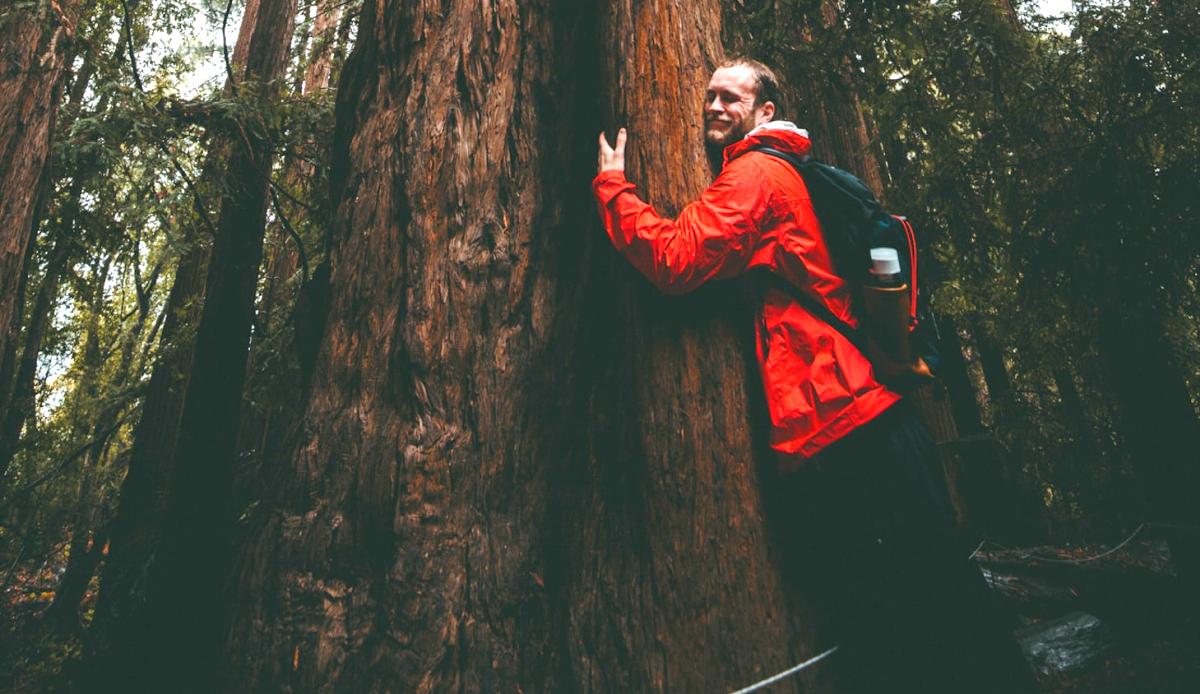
(757, 212)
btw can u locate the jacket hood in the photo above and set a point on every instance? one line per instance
(778, 134)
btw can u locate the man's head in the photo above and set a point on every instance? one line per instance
(742, 95)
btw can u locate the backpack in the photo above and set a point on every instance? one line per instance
(854, 222)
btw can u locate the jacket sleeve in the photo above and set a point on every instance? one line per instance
(713, 237)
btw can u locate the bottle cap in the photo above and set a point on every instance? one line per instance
(885, 261)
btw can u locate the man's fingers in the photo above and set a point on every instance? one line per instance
(609, 159)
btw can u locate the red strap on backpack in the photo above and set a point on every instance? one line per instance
(911, 236)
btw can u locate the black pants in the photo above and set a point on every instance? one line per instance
(877, 541)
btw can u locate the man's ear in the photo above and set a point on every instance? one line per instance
(766, 113)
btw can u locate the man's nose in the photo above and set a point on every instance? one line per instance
(714, 105)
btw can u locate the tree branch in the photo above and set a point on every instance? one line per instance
(291, 232)
(225, 48)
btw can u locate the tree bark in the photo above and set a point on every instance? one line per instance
(34, 41)
(521, 468)
(8, 359)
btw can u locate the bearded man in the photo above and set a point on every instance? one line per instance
(874, 529)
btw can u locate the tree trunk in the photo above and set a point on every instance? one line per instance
(959, 385)
(8, 359)
(266, 424)
(1158, 424)
(34, 41)
(522, 469)
(23, 400)
(186, 586)
(162, 596)
(121, 616)
(995, 373)
(136, 530)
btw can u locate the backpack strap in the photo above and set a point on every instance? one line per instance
(816, 308)
(844, 186)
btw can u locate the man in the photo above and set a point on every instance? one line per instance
(913, 613)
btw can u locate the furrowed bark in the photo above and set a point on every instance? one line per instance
(406, 551)
(667, 535)
(34, 44)
(484, 498)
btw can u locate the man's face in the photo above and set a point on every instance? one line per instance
(729, 110)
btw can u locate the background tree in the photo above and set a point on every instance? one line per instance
(37, 39)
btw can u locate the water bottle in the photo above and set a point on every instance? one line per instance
(886, 300)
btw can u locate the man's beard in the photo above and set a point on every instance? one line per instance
(714, 147)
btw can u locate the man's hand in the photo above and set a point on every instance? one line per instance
(612, 159)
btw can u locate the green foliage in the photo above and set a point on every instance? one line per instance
(133, 189)
(1052, 163)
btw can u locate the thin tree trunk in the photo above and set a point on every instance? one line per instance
(995, 372)
(265, 425)
(121, 608)
(1158, 424)
(964, 400)
(186, 603)
(8, 357)
(1089, 450)
(124, 611)
(88, 535)
(34, 43)
(23, 401)
(522, 469)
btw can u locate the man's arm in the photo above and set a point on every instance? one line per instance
(712, 238)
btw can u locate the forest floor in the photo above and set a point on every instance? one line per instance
(1108, 626)
(1092, 624)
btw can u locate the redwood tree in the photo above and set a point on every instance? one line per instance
(34, 42)
(521, 467)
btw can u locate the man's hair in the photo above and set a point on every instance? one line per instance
(766, 82)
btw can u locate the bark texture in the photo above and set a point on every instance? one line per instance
(677, 427)
(522, 469)
(34, 42)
